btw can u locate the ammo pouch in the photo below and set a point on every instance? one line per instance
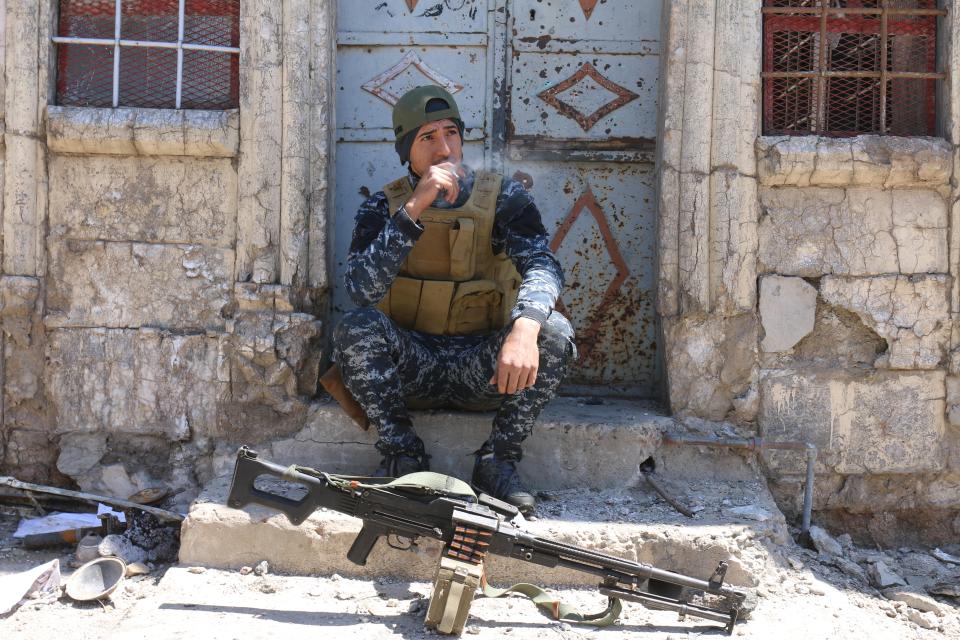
(453, 591)
(451, 283)
(444, 307)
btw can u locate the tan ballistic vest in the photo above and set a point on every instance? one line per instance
(451, 283)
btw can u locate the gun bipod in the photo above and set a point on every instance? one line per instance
(653, 601)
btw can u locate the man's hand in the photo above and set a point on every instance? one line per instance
(519, 357)
(439, 178)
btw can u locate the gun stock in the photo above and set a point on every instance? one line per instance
(243, 489)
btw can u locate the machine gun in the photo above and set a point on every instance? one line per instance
(435, 506)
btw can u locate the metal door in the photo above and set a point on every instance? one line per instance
(582, 83)
(565, 94)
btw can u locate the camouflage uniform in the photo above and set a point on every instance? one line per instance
(384, 365)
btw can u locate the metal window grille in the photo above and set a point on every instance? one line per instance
(180, 54)
(847, 67)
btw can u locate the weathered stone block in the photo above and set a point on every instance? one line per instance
(788, 307)
(130, 284)
(81, 452)
(274, 357)
(170, 200)
(862, 423)
(881, 161)
(910, 312)
(150, 132)
(251, 296)
(711, 362)
(953, 400)
(785, 160)
(839, 340)
(920, 224)
(140, 382)
(735, 211)
(857, 231)
(834, 162)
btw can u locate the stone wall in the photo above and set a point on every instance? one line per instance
(807, 285)
(164, 277)
(856, 310)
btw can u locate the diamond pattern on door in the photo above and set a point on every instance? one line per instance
(589, 203)
(585, 90)
(380, 85)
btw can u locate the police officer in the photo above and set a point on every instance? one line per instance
(455, 287)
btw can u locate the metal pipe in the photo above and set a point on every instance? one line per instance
(756, 445)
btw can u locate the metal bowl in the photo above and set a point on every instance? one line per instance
(97, 579)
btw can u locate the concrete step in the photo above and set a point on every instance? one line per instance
(576, 443)
(583, 460)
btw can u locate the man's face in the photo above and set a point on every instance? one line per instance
(435, 142)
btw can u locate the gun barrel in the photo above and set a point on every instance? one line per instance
(604, 565)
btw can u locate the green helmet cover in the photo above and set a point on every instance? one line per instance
(410, 113)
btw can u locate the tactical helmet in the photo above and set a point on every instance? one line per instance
(416, 108)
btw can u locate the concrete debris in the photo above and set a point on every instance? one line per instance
(197, 569)
(925, 620)
(245, 570)
(824, 542)
(750, 512)
(918, 601)
(137, 569)
(262, 569)
(943, 556)
(949, 589)
(883, 576)
(850, 568)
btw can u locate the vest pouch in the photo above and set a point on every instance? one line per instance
(475, 308)
(462, 254)
(430, 256)
(434, 311)
(402, 301)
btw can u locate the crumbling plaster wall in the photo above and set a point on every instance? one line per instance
(164, 272)
(807, 284)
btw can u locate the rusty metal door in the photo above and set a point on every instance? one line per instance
(581, 121)
(562, 91)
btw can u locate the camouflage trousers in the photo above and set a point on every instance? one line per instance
(386, 367)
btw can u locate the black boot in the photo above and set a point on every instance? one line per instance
(498, 477)
(395, 465)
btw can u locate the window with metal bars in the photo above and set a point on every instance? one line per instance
(850, 67)
(162, 54)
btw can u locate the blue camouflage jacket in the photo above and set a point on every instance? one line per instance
(383, 238)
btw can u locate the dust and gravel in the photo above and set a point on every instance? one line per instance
(802, 594)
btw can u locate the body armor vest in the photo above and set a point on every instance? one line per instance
(451, 282)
